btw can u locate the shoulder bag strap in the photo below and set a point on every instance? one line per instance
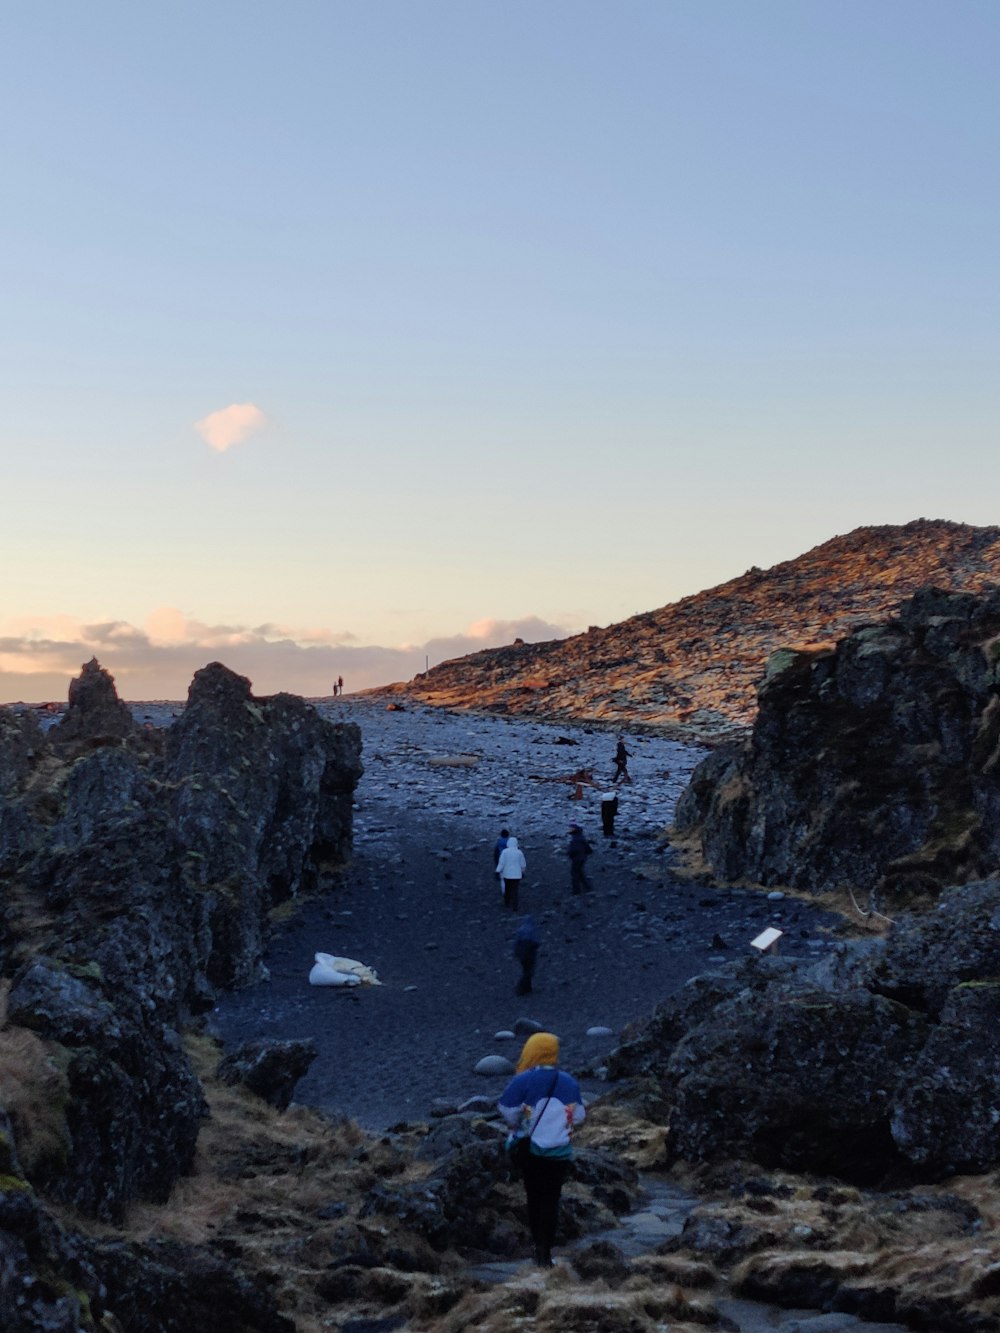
(555, 1080)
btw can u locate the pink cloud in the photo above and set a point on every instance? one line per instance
(230, 425)
(156, 661)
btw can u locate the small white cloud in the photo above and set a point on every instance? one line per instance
(230, 425)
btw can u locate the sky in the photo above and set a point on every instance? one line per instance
(340, 338)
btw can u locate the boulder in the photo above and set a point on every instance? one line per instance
(794, 1078)
(269, 1067)
(494, 1064)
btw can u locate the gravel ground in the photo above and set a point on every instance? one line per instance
(419, 903)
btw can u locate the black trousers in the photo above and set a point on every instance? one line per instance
(511, 889)
(578, 881)
(527, 961)
(543, 1182)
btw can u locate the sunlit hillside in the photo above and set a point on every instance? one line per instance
(694, 665)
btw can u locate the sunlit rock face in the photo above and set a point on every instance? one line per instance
(138, 874)
(694, 666)
(872, 764)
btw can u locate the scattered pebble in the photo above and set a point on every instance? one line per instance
(494, 1064)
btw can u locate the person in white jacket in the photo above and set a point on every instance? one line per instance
(510, 868)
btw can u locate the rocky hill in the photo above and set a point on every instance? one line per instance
(694, 666)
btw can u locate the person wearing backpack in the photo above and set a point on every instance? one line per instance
(541, 1106)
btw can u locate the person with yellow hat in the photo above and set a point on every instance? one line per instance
(541, 1106)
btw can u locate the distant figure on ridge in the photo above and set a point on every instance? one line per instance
(609, 808)
(527, 942)
(501, 843)
(621, 761)
(510, 868)
(578, 851)
(340, 684)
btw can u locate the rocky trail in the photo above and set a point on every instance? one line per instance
(420, 904)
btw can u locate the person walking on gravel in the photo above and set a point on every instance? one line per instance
(621, 761)
(609, 808)
(501, 843)
(510, 868)
(542, 1106)
(527, 942)
(577, 851)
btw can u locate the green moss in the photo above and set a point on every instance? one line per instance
(782, 659)
(984, 983)
(14, 1185)
(86, 971)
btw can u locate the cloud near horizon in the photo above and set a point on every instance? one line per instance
(157, 660)
(230, 425)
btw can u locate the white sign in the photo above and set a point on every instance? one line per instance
(767, 939)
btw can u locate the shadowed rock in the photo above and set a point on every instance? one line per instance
(874, 764)
(140, 876)
(269, 1067)
(96, 716)
(886, 1066)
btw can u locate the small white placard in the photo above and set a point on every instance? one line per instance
(766, 938)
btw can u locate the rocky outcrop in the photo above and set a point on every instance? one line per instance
(139, 877)
(133, 1105)
(466, 1203)
(868, 1070)
(873, 764)
(269, 1067)
(96, 716)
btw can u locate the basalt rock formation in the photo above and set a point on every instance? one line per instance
(693, 667)
(873, 764)
(138, 875)
(879, 1066)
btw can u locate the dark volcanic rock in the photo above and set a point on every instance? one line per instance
(464, 1204)
(262, 804)
(96, 716)
(799, 1079)
(139, 877)
(169, 1288)
(269, 1067)
(875, 764)
(947, 1113)
(883, 1064)
(134, 1104)
(47, 1284)
(21, 743)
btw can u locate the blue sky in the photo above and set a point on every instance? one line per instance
(536, 315)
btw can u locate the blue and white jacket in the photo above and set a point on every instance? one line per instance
(523, 1107)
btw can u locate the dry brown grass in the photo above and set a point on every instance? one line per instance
(260, 1180)
(33, 1091)
(641, 1143)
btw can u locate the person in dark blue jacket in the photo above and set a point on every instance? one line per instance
(543, 1104)
(501, 843)
(527, 942)
(577, 851)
